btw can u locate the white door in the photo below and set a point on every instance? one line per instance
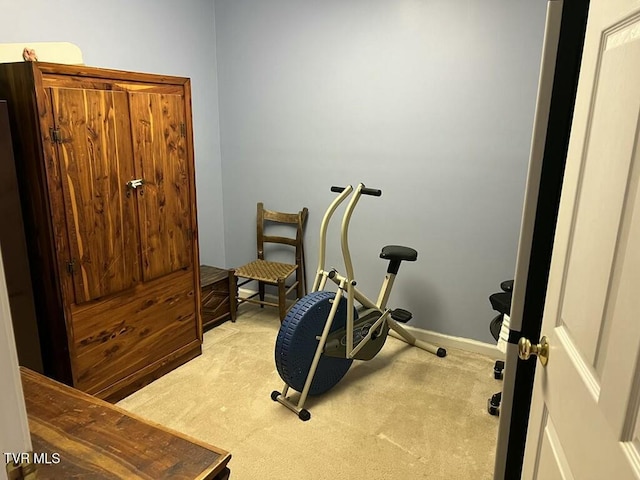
(584, 416)
(14, 427)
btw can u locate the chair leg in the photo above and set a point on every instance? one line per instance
(300, 280)
(261, 293)
(282, 299)
(303, 270)
(233, 294)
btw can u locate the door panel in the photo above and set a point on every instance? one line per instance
(589, 392)
(621, 338)
(160, 151)
(611, 139)
(95, 151)
(553, 463)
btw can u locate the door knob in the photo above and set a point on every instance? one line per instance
(526, 349)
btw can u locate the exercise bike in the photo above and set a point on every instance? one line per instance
(324, 331)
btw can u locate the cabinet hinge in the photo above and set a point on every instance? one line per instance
(71, 266)
(55, 135)
(21, 471)
(183, 129)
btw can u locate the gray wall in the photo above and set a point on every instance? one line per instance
(157, 36)
(430, 100)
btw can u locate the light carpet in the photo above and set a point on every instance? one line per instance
(406, 414)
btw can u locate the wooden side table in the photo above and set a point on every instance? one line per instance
(215, 285)
(81, 436)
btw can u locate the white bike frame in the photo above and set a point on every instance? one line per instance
(348, 283)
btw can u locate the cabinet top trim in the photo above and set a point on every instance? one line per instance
(101, 73)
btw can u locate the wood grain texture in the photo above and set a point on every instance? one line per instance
(20, 85)
(120, 335)
(165, 209)
(93, 83)
(76, 208)
(195, 250)
(95, 153)
(97, 440)
(86, 72)
(115, 392)
(215, 285)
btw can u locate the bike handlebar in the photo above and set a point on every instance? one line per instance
(343, 192)
(365, 191)
(371, 191)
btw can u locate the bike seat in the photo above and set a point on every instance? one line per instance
(398, 253)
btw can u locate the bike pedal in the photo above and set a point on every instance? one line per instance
(401, 316)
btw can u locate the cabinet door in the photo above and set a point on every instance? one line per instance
(95, 151)
(160, 151)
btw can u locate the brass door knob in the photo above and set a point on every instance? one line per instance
(526, 349)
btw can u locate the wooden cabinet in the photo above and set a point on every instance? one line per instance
(106, 175)
(215, 285)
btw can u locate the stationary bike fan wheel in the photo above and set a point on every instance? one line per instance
(297, 343)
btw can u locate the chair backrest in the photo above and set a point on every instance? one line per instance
(296, 220)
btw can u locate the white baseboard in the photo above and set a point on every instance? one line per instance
(439, 339)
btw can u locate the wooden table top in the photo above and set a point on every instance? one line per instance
(95, 439)
(209, 275)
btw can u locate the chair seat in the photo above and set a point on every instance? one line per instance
(285, 230)
(265, 271)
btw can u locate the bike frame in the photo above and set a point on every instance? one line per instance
(347, 283)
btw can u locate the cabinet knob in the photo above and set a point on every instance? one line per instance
(134, 184)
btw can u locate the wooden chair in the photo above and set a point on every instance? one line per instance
(287, 277)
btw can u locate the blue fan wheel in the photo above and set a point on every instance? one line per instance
(296, 343)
